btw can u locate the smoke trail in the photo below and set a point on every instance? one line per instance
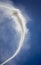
(19, 19)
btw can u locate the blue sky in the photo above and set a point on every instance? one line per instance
(33, 9)
(26, 56)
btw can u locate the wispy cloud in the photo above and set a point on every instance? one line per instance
(26, 46)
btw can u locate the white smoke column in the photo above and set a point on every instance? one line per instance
(20, 21)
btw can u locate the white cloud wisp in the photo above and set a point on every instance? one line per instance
(21, 26)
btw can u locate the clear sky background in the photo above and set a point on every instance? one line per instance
(30, 54)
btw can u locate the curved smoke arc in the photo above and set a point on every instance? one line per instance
(16, 15)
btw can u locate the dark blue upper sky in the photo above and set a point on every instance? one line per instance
(33, 10)
(33, 56)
